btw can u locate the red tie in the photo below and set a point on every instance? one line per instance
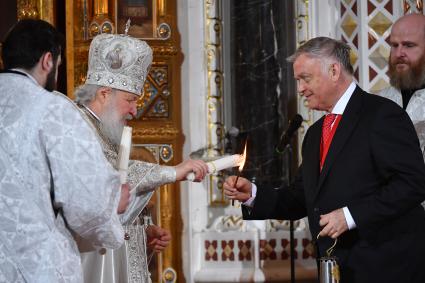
(327, 134)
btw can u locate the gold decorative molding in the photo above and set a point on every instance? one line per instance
(214, 91)
(101, 22)
(69, 5)
(47, 10)
(27, 9)
(37, 9)
(161, 8)
(167, 216)
(169, 50)
(100, 7)
(163, 132)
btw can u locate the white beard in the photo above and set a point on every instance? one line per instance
(111, 124)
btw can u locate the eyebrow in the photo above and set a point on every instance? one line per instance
(303, 75)
(403, 42)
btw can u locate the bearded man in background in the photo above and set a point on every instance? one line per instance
(407, 70)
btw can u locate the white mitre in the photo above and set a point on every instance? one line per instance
(119, 61)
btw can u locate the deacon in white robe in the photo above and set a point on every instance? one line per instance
(54, 178)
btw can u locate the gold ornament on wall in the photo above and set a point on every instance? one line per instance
(27, 10)
(101, 22)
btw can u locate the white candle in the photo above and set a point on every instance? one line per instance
(124, 153)
(220, 164)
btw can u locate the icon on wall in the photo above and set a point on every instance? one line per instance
(144, 15)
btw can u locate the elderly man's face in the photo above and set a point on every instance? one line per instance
(119, 107)
(313, 83)
(407, 56)
(125, 104)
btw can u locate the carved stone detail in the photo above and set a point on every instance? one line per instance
(214, 94)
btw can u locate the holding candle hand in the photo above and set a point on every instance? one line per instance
(240, 191)
(220, 164)
(198, 167)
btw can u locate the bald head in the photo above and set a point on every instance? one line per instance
(407, 55)
(409, 24)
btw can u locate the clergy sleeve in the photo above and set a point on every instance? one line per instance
(84, 186)
(144, 178)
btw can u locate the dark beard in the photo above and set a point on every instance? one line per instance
(412, 78)
(51, 83)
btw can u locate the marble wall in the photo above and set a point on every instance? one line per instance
(262, 35)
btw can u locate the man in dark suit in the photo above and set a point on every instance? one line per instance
(362, 176)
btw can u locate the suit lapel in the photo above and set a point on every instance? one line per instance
(346, 126)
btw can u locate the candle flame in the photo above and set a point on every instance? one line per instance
(243, 159)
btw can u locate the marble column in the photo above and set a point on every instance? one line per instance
(263, 92)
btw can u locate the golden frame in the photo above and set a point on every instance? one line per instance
(155, 28)
(143, 17)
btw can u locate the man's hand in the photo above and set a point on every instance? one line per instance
(158, 238)
(124, 199)
(334, 224)
(241, 191)
(198, 167)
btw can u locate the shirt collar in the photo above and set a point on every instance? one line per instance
(343, 100)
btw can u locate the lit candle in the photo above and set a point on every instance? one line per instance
(241, 165)
(124, 153)
(220, 164)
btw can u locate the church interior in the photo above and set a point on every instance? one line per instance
(220, 80)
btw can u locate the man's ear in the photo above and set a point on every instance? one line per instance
(335, 71)
(47, 62)
(103, 93)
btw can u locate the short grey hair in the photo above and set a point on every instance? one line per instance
(324, 48)
(86, 93)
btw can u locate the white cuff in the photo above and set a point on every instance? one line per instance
(250, 201)
(349, 219)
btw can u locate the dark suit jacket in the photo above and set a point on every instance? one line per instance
(374, 167)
